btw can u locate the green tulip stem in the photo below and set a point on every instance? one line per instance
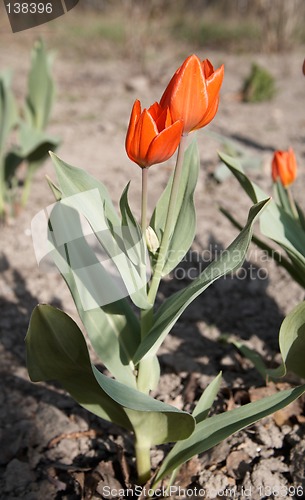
(143, 227)
(2, 187)
(143, 463)
(147, 315)
(27, 185)
(144, 200)
(169, 224)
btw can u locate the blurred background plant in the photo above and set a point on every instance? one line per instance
(24, 144)
(283, 221)
(235, 25)
(259, 86)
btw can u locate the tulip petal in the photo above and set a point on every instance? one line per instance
(292, 165)
(161, 116)
(135, 113)
(186, 94)
(166, 97)
(165, 144)
(145, 131)
(208, 117)
(208, 68)
(214, 83)
(155, 110)
(284, 167)
(213, 87)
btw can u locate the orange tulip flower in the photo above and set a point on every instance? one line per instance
(192, 95)
(152, 136)
(284, 167)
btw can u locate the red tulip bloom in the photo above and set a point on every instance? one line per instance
(152, 136)
(192, 95)
(284, 167)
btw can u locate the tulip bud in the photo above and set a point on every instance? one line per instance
(284, 167)
(152, 240)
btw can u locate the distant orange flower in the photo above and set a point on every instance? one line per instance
(152, 136)
(192, 95)
(284, 167)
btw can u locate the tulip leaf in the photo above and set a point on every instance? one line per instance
(278, 256)
(34, 143)
(183, 235)
(275, 223)
(73, 180)
(55, 189)
(135, 248)
(113, 328)
(92, 200)
(215, 429)
(56, 350)
(8, 109)
(292, 341)
(41, 89)
(206, 400)
(172, 308)
(154, 422)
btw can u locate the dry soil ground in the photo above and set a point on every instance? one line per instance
(50, 447)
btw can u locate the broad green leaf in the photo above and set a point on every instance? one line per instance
(281, 196)
(154, 422)
(41, 90)
(172, 308)
(275, 223)
(98, 209)
(148, 374)
(285, 231)
(301, 216)
(292, 343)
(213, 430)
(57, 350)
(73, 180)
(8, 109)
(35, 144)
(134, 246)
(113, 328)
(237, 170)
(183, 235)
(278, 256)
(206, 400)
(136, 252)
(55, 189)
(204, 404)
